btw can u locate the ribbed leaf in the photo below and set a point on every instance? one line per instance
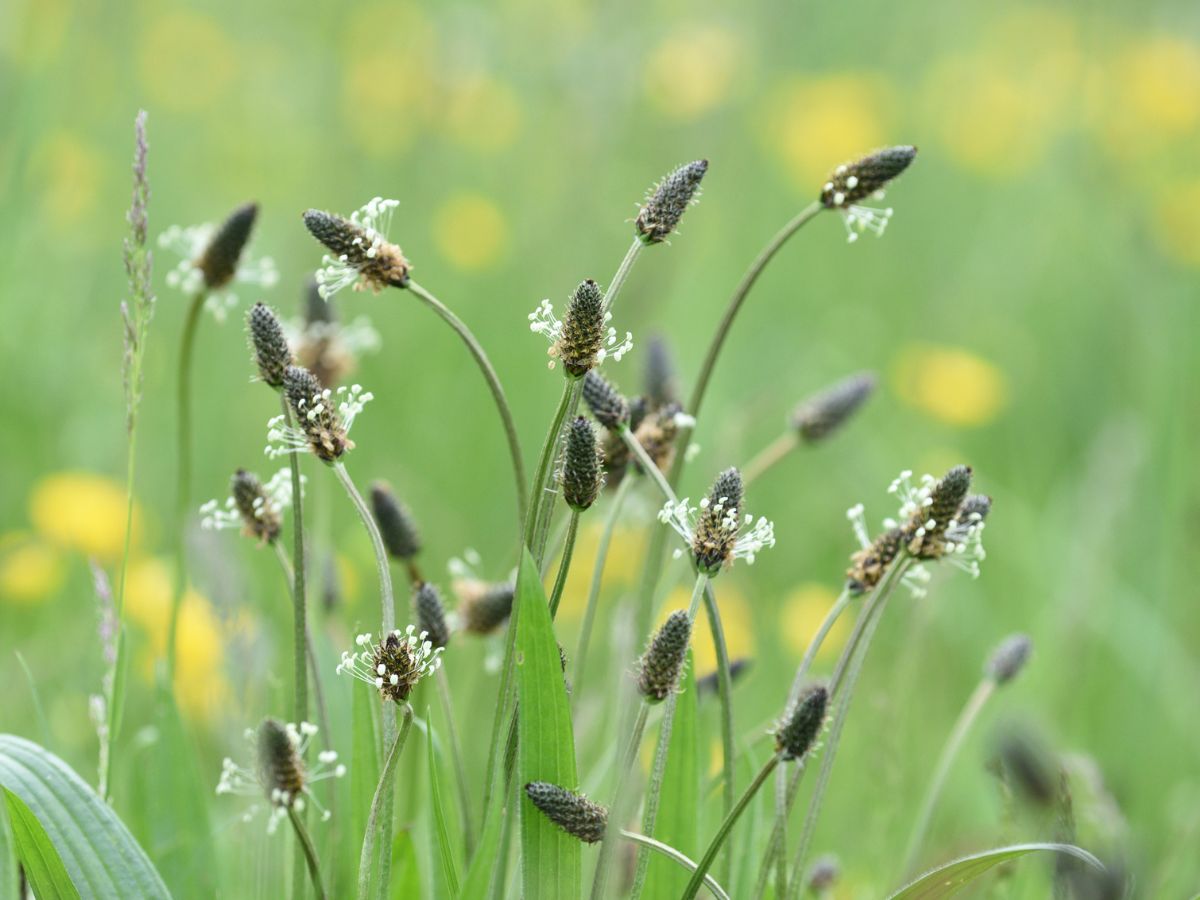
(441, 832)
(679, 808)
(43, 867)
(100, 855)
(483, 864)
(10, 878)
(550, 859)
(947, 880)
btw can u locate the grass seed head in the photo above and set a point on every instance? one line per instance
(573, 813)
(378, 262)
(605, 401)
(660, 665)
(820, 415)
(219, 261)
(431, 614)
(718, 523)
(582, 475)
(858, 180)
(802, 725)
(396, 525)
(280, 768)
(260, 517)
(315, 414)
(272, 354)
(669, 200)
(484, 607)
(1009, 658)
(583, 330)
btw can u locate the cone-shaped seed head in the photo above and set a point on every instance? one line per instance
(484, 607)
(396, 525)
(218, 263)
(661, 385)
(822, 414)
(658, 671)
(315, 414)
(851, 182)
(582, 476)
(272, 354)
(718, 523)
(656, 432)
(1030, 767)
(823, 874)
(279, 765)
(431, 615)
(928, 525)
(401, 670)
(868, 565)
(803, 723)
(380, 263)
(575, 815)
(605, 401)
(975, 505)
(260, 518)
(669, 201)
(583, 330)
(1009, 658)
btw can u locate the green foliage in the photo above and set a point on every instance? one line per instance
(445, 847)
(43, 867)
(949, 879)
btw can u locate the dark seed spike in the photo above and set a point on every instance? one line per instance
(660, 665)
(661, 383)
(854, 181)
(259, 516)
(380, 264)
(583, 330)
(279, 765)
(218, 263)
(582, 476)
(803, 722)
(1030, 767)
(727, 490)
(1009, 658)
(272, 354)
(396, 525)
(822, 414)
(605, 401)
(317, 310)
(484, 607)
(315, 415)
(975, 505)
(868, 565)
(573, 813)
(669, 201)
(431, 614)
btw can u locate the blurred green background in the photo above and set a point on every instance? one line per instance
(1031, 311)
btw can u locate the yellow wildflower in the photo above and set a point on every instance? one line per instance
(950, 384)
(1177, 220)
(735, 619)
(187, 63)
(83, 512)
(803, 611)
(30, 570)
(470, 231)
(692, 70)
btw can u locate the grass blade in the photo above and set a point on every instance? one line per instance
(43, 866)
(947, 880)
(441, 831)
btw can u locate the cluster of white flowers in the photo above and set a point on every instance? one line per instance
(357, 336)
(365, 665)
(189, 243)
(752, 536)
(277, 496)
(859, 218)
(543, 321)
(283, 439)
(237, 779)
(375, 218)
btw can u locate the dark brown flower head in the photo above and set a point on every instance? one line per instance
(662, 385)
(928, 525)
(1030, 767)
(431, 614)
(822, 414)
(573, 813)
(219, 261)
(854, 181)
(638, 407)
(657, 432)
(395, 664)
(580, 344)
(1009, 658)
(708, 685)
(483, 607)
(669, 200)
(260, 516)
(280, 767)
(360, 254)
(868, 565)
(581, 476)
(802, 724)
(718, 523)
(272, 354)
(396, 525)
(316, 414)
(823, 875)
(974, 509)
(605, 401)
(660, 665)
(615, 454)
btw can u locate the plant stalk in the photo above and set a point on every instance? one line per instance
(769, 456)
(560, 580)
(617, 809)
(672, 854)
(460, 771)
(724, 691)
(377, 819)
(310, 854)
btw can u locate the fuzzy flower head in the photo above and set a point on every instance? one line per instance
(280, 772)
(483, 606)
(656, 431)
(583, 339)
(255, 507)
(213, 258)
(359, 251)
(796, 735)
(668, 201)
(572, 812)
(660, 665)
(582, 472)
(327, 347)
(717, 533)
(395, 664)
(825, 412)
(324, 417)
(865, 178)
(272, 351)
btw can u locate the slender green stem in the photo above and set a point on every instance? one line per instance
(654, 791)
(693, 886)
(648, 465)
(672, 854)
(300, 641)
(724, 690)
(309, 651)
(560, 580)
(841, 689)
(183, 483)
(116, 700)
(493, 382)
(541, 475)
(954, 743)
(589, 613)
(622, 273)
(554, 546)
(617, 808)
(460, 771)
(310, 854)
(768, 456)
(549, 494)
(379, 816)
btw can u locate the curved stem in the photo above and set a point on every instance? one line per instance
(493, 382)
(949, 752)
(310, 854)
(724, 690)
(183, 482)
(672, 854)
(616, 809)
(560, 580)
(545, 462)
(693, 886)
(300, 640)
(768, 456)
(589, 613)
(622, 273)
(648, 465)
(379, 816)
(460, 771)
(549, 493)
(654, 790)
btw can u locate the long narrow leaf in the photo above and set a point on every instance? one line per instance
(10, 867)
(947, 880)
(441, 831)
(47, 875)
(483, 864)
(550, 859)
(100, 855)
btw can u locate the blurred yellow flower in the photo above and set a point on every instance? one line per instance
(735, 619)
(33, 36)
(470, 231)
(1177, 222)
(83, 512)
(803, 611)
(200, 683)
(950, 384)
(1153, 96)
(67, 172)
(624, 555)
(482, 114)
(30, 570)
(186, 62)
(692, 70)
(813, 125)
